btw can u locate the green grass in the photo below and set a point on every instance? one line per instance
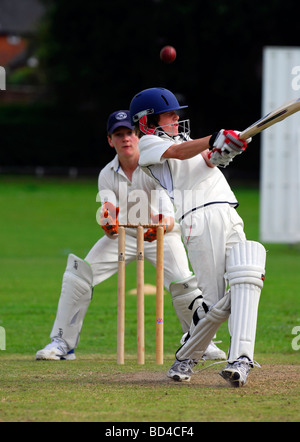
(96, 389)
(42, 221)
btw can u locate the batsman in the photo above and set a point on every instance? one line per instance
(229, 268)
(121, 184)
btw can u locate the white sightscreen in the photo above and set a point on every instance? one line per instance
(280, 149)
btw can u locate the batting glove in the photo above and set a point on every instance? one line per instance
(151, 234)
(224, 146)
(108, 218)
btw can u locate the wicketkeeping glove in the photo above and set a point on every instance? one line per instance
(151, 235)
(224, 146)
(108, 218)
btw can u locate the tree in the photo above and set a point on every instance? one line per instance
(98, 54)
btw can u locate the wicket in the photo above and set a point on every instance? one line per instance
(140, 293)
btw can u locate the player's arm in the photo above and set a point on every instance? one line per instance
(187, 149)
(224, 146)
(206, 157)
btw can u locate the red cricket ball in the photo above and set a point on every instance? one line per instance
(168, 54)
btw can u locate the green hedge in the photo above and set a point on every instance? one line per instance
(41, 135)
(50, 137)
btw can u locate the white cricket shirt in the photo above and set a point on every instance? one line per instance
(190, 183)
(137, 198)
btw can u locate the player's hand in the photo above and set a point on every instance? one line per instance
(219, 158)
(229, 140)
(109, 218)
(151, 235)
(224, 146)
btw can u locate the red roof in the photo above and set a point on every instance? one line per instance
(10, 48)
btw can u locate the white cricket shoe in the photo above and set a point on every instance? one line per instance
(214, 353)
(57, 350)
(181, 370)
(236, 373)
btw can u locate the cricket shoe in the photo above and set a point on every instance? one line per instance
(57, 350)
(236, 373)
(181, 370)
(214, 353)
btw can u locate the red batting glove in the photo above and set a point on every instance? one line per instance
(233, 141)
(151, 234)
(108, 218)
(224, 146)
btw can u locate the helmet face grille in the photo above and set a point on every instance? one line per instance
(183, 130)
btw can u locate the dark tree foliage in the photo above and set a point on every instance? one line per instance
(97, 55)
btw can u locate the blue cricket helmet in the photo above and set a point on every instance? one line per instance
(153, 101)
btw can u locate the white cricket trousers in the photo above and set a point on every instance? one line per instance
(209, 233)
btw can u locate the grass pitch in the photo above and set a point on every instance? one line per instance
(42, 221)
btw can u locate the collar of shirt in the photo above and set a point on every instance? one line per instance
(117, 168)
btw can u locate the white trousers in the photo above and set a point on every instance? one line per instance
(209, 233)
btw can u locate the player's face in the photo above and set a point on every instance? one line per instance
(169, 122)
(125, 141)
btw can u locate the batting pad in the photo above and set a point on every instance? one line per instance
(185, 298)
(206, 323)
(245, 269)
(75, 298)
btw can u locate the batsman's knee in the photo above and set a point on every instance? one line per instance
(245, 264)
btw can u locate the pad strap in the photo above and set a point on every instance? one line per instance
(186, 297)
(203, 329)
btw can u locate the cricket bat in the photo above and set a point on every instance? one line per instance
(271, 118)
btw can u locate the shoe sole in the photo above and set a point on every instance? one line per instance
(233, 377)
(53, 357)
(179, 378)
